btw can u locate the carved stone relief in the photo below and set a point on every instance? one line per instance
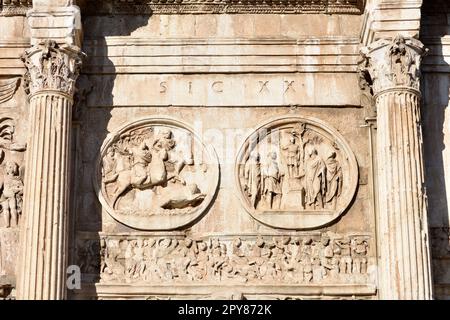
(11, 199)
(8, 87)
(318, 259)
(11, 183)
(88, 255)
(296, 173)
(15, 7)
(155, 174)
(94, 7)
(223, 6)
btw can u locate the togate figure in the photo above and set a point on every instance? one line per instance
(296, 173)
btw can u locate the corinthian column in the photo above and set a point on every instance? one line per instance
(393, 71)
(50, 82)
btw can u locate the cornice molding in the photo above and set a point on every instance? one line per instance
(15, 7)
(389, 18)
(136, 7)
(225, 6)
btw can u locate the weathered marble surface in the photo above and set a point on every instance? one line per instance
(151, 216)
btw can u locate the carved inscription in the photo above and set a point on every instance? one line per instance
(260, 87)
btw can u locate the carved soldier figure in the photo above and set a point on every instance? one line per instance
(183, 258)
(252, 176)
(112, 268)
(294, 268)
(217, 260)
(163, 145)
(201, 268)
(293, 155)
(11, 195)
(239, 258)
(306, 259)
(326, 252)
(359, 252)
(345, 262)
(271, 175)
(334, 180)
(138, 259)
(141, 158)
(164, 259)
(164, 140)
(109, 166)
(318, 270)
(315, 178)
(256, 259)
(150, 273)
(279, 257)
(130, 265)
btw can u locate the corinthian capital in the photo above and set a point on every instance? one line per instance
(52, 67)
(392, 64)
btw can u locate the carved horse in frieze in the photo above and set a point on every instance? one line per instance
(140, 175)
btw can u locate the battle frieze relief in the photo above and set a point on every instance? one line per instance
(156, 174)
(296, 173)
(327, 258)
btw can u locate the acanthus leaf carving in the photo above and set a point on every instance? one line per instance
(392, 64)
(51, 66)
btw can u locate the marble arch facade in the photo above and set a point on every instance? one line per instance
(224, 149)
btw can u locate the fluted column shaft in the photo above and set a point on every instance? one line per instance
(46, 194)
(50, 80)
(404, 265)
(402, 229)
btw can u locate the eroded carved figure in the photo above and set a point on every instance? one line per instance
(11, 182)
(252, 176)
(302, 171)
(11, 195)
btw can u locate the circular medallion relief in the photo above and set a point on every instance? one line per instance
(156, 174)
(296, 173)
